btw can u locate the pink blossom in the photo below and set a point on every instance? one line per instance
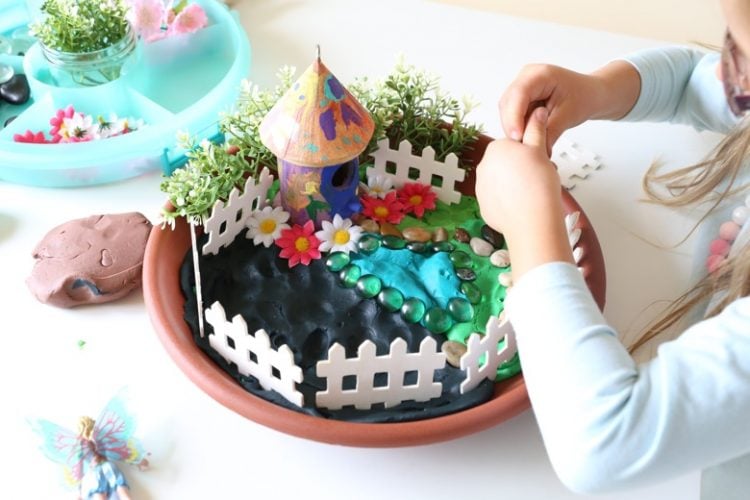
(190, 19)
(58, 123)
(31, 137)
(147, 17)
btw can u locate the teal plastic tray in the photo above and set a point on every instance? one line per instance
(179, 83)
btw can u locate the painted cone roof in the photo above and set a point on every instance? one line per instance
(317, 122)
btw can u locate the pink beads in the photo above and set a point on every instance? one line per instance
(719, 247)
(714, 261)
(729, 230)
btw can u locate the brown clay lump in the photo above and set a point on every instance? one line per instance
(90, 261)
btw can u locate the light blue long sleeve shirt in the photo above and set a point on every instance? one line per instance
(607, 422)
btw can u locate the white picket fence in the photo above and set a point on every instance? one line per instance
(228, 219)
(487, 345)
(423, 169)
(367, 364)
(253, 354)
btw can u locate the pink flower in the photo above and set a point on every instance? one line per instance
(190, 19)
(417, 198)
(389, 209)
(147, 17)
(299, 244)
(58, 123)
(31, 137)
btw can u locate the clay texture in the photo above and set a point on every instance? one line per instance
(92, 260)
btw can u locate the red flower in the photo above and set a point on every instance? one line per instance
(388, 209)
(417, 198)
(299, 244)
(31, 137)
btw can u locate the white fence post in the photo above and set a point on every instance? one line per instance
(228, 219)
(253, 354)
(396, 365)
(487, 344)
(425, 169)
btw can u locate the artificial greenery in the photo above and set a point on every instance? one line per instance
(408, 104)
(80, 26)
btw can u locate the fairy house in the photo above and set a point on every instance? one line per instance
(317, 130)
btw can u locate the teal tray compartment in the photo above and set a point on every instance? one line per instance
(176, 84)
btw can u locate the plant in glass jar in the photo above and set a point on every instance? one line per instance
(86, 42)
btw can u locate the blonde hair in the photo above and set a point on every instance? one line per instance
(713, 180)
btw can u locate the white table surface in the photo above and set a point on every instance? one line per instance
(200, 449)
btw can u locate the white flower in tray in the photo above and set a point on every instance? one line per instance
(265, 225)
(80, 127)
(341, 235)
(379, 185)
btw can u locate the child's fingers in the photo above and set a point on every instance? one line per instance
(536, 129)
(515, 105)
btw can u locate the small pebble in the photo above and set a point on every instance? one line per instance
(500, 258)
(496, 239)
(481, 247)
(417, 234)
(393, 242)
(453, 352)
(369, 226)
(505, 279)
(460, 259)
(417, 246)
(443, 246)
(465, 274)
(440, 235)
(16, 90)
(389, 229)
(462, 235)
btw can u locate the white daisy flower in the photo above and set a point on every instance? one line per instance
(339, 236)
(81, 127)
(379, 185)
(265, 225)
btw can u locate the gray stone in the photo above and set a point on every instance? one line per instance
(500, 258)
(481, 247)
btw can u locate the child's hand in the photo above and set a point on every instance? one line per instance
(519, 194)
(571, 98)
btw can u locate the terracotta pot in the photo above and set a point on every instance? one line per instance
(164, 300)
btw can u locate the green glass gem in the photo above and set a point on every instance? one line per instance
(368, 244)
(460, 258)
(391, 299)
(393, 242)
(413, 310)
(350, 275)
(437, 320)
(443, 246)
(472, 292)
(369, 286)
(337, 261)
(461, 309)
(417, 247)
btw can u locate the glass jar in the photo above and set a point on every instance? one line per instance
(86, 69)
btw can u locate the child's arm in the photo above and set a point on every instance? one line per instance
(681, 85)
(608, 424)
